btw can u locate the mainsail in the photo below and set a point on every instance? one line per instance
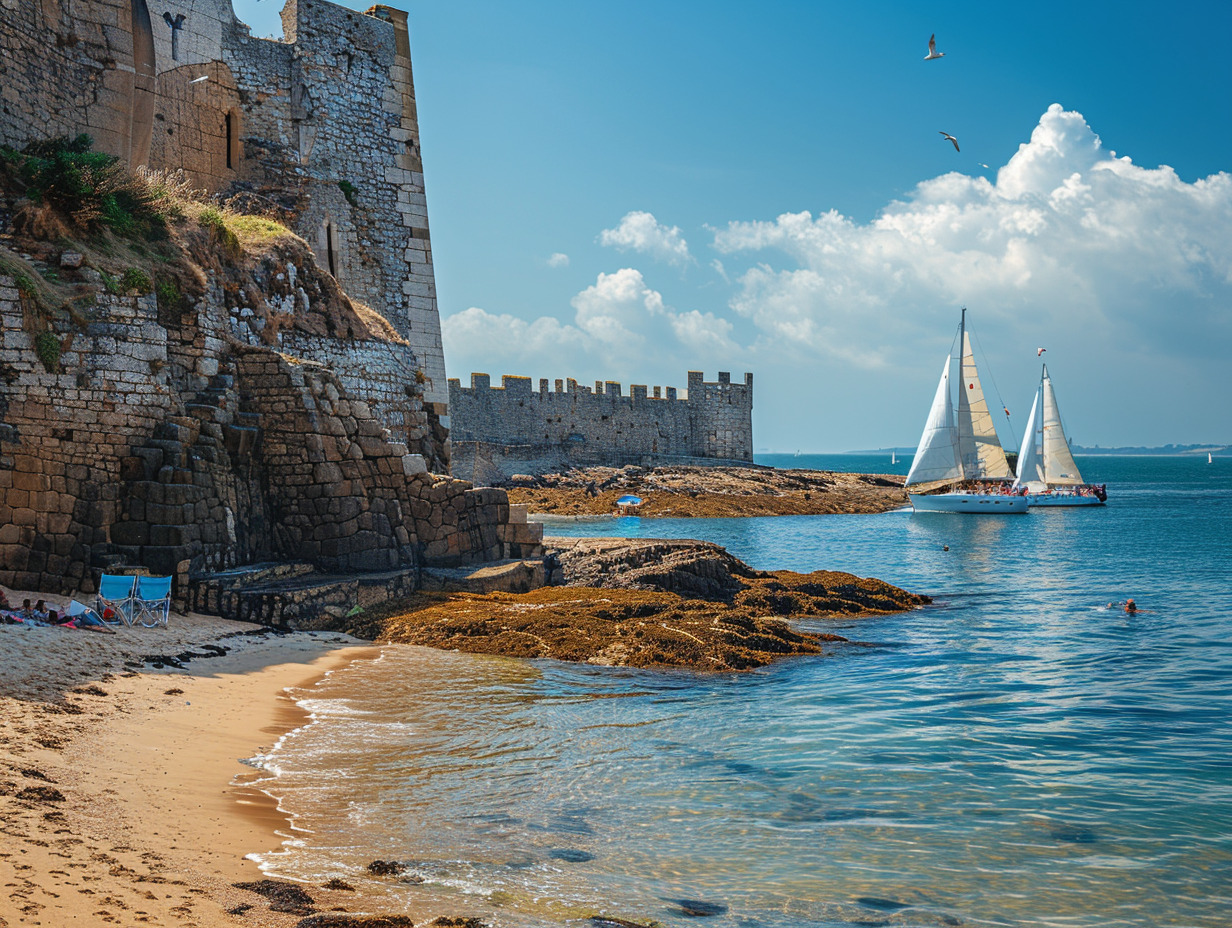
(979, 451)
(1059, 466)
(937, 456)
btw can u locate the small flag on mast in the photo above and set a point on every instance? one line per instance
(1039, 351)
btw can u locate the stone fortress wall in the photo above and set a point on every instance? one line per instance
(319, 130)
(116, 460)
(514, 429)
(206, 443)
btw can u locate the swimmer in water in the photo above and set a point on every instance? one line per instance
(1130, 607)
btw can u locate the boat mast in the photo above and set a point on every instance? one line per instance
(1042, 457)
(962, 346)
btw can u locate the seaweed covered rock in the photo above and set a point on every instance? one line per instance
(642, 603)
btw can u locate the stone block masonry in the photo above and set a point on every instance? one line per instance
(320, 129)
(128, 456)
(254, 427)
(513, 428)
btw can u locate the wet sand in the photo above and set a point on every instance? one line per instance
(116, 785)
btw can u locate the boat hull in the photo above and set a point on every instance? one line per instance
(1063, 499)
(977, 503)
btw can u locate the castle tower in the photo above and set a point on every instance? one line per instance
(721, 417)
(319, 130)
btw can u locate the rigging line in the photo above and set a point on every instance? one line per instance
(988, 368)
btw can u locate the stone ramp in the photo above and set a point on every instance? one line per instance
(297, 596)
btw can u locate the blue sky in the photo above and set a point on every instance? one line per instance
(629, 191)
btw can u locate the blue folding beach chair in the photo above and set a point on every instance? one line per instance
(115, 592)
(152, 601)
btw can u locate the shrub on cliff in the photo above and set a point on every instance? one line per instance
(212, 218)
(90, 187)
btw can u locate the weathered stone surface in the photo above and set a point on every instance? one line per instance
(285, 127)
(160, 484)
(498, 432)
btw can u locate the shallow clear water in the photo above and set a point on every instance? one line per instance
(1015, 754)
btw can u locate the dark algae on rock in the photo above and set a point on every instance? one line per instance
(641, 604)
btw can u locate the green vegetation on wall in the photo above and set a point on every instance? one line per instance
(47, 347)
(90, 187)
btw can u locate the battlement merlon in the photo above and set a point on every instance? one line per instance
(522, 384)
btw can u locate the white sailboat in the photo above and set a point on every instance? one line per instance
(1046, 468)
(960, 453)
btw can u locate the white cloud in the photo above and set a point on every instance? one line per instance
(558, 259)
(641, 232)
(621, 328)
(495, 342)
(613, 310)
(1070, 240)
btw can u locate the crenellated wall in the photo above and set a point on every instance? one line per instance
(499, 431)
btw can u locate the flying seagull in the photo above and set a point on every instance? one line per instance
(952, 139)
(932, 49)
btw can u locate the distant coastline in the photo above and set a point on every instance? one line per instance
(1159, 451)
(1125, 451)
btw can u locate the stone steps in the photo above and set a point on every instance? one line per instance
(296, 596)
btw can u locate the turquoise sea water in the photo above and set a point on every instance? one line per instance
(1014, 755)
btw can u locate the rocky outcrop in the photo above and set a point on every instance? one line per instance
(702, 570)
(707, 492)
(627, 628)
(640, 603)
(693, 569)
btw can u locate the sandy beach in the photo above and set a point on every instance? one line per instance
(121, 786)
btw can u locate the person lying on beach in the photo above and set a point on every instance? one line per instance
(83, 617)
(32, 617)
(90, 621)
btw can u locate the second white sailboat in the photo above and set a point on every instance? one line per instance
(1046, 468)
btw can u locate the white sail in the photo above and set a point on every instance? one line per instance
(1059, 466)
(979, 450)
(1030, 460)
(936, 458)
